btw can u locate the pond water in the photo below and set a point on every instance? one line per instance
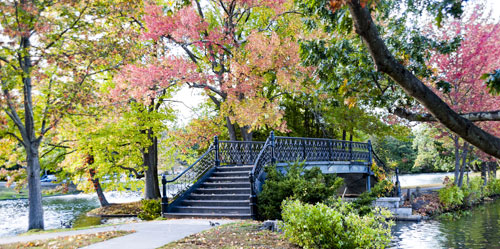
(479, 229)
(59, 211)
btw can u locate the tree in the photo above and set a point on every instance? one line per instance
(51, 53)
(360, 19)
(433, 155)
(396, 152)
(458, 74)
(113, 135)
(242, 53)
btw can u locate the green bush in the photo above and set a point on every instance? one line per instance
(310, 186)
(320, 226)
(364, 202)
(493, 187)
(451, 196)
(151, 209)
(473, 191)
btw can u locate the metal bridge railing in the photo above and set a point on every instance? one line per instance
(239, 152)
(319, 149)
(276, 149)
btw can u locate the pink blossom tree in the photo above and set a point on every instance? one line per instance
(458, 75)
(231, 49)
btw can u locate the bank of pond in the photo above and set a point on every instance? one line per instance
(475, 226)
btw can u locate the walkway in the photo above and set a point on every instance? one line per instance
(151, 234)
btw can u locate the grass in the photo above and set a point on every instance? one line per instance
(245, 234)
(67, 242)
(133, 208)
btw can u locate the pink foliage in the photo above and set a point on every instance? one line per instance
(479, 53)
(232, 70)
(143, 82)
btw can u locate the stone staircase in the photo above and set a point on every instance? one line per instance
(224, 194)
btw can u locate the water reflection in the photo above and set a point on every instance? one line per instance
(59, 211)
(480, 229)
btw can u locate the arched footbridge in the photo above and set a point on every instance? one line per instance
(226, 179)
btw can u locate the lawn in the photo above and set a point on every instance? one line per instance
(67, 242)
(245, 234)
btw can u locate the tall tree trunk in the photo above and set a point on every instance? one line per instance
(150, 160)
(34, 188)
(30, 140)
(457, 159)
(492, 170)
(230, 129)
(246, 134)
(484, 173)
(97, 186)
(464, 162)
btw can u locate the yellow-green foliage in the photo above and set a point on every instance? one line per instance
(339, 226)
(493, 187)
(451, 196)
(473, 191)
(151, 209)
(470, 193)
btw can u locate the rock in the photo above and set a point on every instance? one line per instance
(419, 204)
(271, 225)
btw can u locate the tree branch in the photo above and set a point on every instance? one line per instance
(426, 117)
(211, 88)
(15, 136)
(60, 35)
(134, 171)
(386, 63)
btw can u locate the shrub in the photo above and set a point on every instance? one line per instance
(320, 226)
(451, 196)
(310, 186)
(364, 202)
(493, 187)
(472, 191)
(151, 209)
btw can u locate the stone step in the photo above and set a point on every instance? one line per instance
(223, 191)
(212, 210)
(232, 197)
(228, 179)
(225, 203)
(233, 168)
(220, 185)
(204, 215)
(231, 174)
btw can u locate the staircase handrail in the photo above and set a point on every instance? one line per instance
(396, 182)
(210, 148)
(256, 168)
